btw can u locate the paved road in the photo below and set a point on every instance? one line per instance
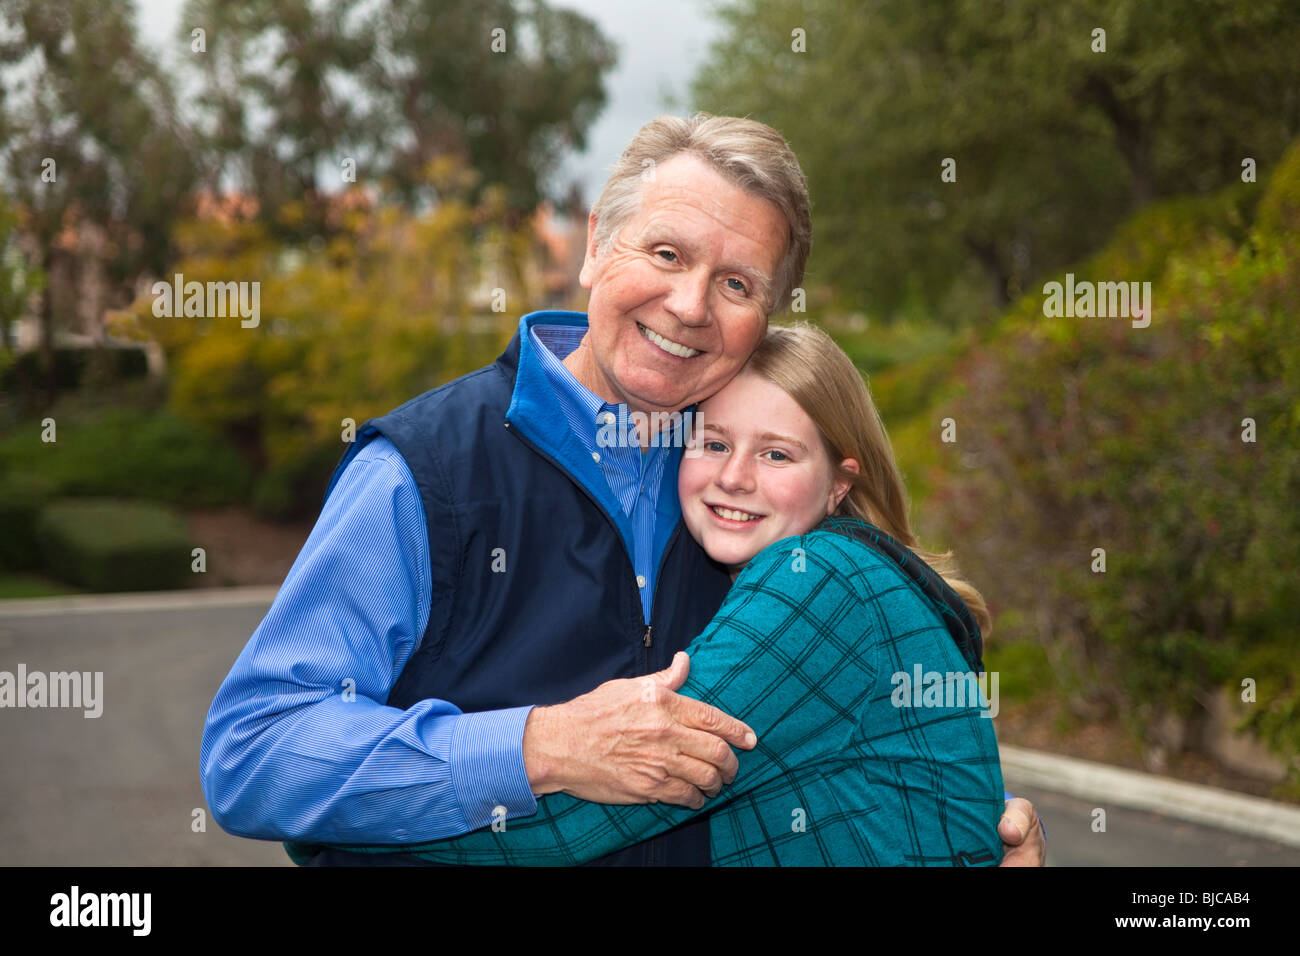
(120, 789)
(1137, 838)
(123, 788)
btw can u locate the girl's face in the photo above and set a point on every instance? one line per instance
(758, 472)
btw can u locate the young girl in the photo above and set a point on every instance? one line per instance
(833, 615)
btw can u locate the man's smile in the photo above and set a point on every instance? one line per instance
(668, 345)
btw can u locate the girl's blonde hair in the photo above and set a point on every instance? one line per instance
(807, 365)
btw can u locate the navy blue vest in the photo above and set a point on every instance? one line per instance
(535, 599)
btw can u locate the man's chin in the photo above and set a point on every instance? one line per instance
(667, 389)
(652, 400)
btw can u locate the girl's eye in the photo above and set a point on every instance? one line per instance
(714, 445)
(778, 455)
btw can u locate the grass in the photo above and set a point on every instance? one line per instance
(14, 585)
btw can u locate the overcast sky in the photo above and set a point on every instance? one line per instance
(659, 47)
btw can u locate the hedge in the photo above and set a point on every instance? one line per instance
(22, 497)
(75, 366)
(107, 544)
(130, 454)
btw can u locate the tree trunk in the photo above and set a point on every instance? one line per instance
(986, 254)
(47, 347)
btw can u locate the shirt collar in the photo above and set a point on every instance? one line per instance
(551, 344)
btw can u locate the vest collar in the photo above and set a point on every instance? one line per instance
(535, 413)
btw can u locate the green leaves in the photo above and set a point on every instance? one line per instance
(1101, 435)
(1054, 144)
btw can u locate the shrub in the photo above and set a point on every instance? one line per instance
(296, 488)
(1077, 434)
(350, 328)
(73, 366)
(131, 454)
(106, 544)
(21, 499)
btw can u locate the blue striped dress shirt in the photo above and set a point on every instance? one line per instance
(634, 476)
(298, 743)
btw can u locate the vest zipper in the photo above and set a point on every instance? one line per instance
(652, 851)
(614, 527)
(647, 639)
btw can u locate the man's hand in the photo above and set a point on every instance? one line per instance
(635, 741)
(1023, 841)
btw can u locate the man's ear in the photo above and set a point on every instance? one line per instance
(587, 274)
(840, 487)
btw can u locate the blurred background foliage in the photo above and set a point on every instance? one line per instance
(1055, 144)
(1072, 434)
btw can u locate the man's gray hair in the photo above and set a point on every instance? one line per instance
(751, 154)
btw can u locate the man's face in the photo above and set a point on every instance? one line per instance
(680, 297)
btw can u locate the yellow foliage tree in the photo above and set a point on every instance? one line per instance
(392, 304)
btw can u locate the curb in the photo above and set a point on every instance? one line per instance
(139, 601)
(1194, 802)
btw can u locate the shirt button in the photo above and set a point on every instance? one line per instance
(608, 418)
(595, 456)
(640, 580)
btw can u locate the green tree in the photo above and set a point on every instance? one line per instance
(279, 101)
(349, 328)
(91, 134)
(1174, 448)
(18, 280)
(291, 89)
(1054, 143)
(505, 86)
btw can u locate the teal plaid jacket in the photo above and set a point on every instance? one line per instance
(854, 765)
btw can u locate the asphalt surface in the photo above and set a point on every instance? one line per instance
(1138, 838)
(123, 789)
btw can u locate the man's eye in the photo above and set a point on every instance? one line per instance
(668, 252)
(739, 285)
(714, 445)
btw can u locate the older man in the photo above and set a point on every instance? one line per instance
(483, 559)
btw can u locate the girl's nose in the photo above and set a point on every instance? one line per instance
(737, 474)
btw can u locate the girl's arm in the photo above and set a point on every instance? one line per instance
(788, 653)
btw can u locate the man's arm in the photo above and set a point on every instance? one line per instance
(299, 745)
(298, 742)
(784, 653)
(635, 741)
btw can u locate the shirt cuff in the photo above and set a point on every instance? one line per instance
(487, 765)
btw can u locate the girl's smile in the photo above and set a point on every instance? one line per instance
(760, 472)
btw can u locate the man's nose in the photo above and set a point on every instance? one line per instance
(689, 298)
